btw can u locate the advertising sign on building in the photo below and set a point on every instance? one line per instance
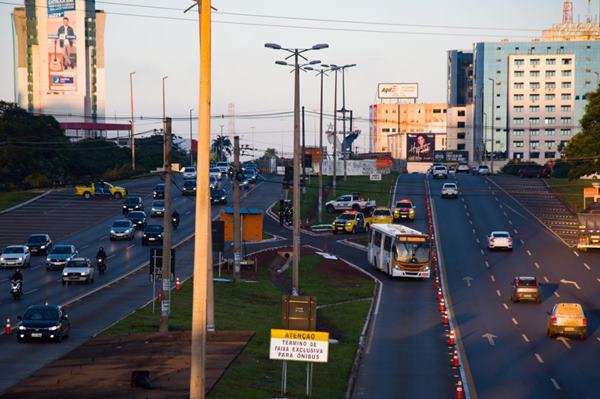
(451, 156)
(299, 346)
(62, 45)
(398, 90)
(420, 147)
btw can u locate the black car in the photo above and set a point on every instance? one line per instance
(218, 196)
(189, 187)
(250, 175)
(153, 234)
(132, 204)
(159, 191)
(138, 218)
(43, 322)
(39, 244)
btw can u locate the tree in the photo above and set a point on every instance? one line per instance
(583, 150)
(270, 153)
(222, 147)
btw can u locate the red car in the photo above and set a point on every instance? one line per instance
(535, 171)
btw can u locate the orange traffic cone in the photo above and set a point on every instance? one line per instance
(451, 339)
(439, 294)
(8, 328)
(437, 283)
(442, 305)
(445, 318)
(455, 362)
(459, 390)
(177, 284)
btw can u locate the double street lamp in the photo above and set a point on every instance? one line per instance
(296, 54)
(343, 111)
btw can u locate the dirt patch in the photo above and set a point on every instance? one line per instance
(106, 364)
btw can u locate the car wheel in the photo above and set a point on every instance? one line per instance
(330, 209)
(20, 340)
(112, 238)
(63, 282)
(87, 195)
(551, 334)
(353, 230)
(58, 338)
(538, 300)
(583, 336)
(117, 195)
(356, 207)
(367, 227)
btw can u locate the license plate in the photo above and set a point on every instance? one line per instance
(152, 238)
(526, 296)
(36, 335)
(569, 329)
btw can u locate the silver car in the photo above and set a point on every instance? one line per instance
(60, 256)
(122, 229)
(78, 270)
(15, 256)
(158, 208)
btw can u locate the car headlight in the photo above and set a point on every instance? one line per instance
(1, 259)
(160, 235)
(65, 274)
(348, 223)
(43, 247)
(411, 211)
(22, 328)
(47, 259)
(222, 198)
(54, 328)
(20, 258)
(112, 231)
(85, 273)
(144, 235)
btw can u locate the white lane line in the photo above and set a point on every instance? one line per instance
(84, 247)
(546, 279)
(477, 240)
(598, 338)
(515, 322)
(528, 252)
(522, 242)
(482, 253)
(462, 199)
(510, 222)
(131, 246)
(111, 256)
(505, 306)
(587, 266)
(556, 294)
(468, 214)
(470, 221)
(487, 264)
(514, 210)
(3, 280)
(539, 358)
(598, 279)
(525, 338)
(474, 231)
(31, 291)
(498, 293)
(465, 205)
(496, 198)
(501, 207)
(555, 384)
(516, 231)
(492, 278)
(505, 214)
(576, 254)
(188, 212)
(537, 265)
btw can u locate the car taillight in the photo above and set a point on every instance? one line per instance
(554, 320)
(584, 321)
(492, 239)
(510, 240)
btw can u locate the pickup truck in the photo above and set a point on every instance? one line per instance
(100, 188)
(349, 202)
(349, 222)
(589, 228)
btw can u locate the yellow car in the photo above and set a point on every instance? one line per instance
(567, 319)
(404, 209)
(100, 188)
(349, 222)
(380, 216)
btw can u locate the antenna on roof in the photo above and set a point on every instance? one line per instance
(567, 12)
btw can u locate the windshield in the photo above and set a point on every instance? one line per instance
(14, 250)
(500, 235)
(383, 212)
(153, 229)
(136, 215)
(121, 223)
(159, 187)
(77, 263)
(527, 283)
(217, 193)
(449, 185)
(189, 183)
(412, 252)
(189, 170)
(404, 205)
(38, 238)
(41, 314)
(215, 170)
(61, 250)
(158, 203)
(347, 217)
(132, 201)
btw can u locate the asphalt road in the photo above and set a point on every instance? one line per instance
(508, 352)
(98, 310)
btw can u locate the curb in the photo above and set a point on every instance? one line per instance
(29, 201)
(353, 245)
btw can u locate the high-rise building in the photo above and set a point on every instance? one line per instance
(460, 78)
(59, 61)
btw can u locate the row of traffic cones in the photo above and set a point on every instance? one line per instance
(455, 362)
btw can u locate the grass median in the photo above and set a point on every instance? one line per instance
(343, 294)
(9, 199)
(570, 192)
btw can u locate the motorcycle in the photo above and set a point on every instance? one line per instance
(16, 289)
(101, 263)
(175, 222)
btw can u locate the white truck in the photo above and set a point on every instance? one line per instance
(589, 228)
(350, 202)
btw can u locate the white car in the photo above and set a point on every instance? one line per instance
(189, 172)
(78, 270)
(223, 167)
(449, 190)
(462, 168)
(158, 208)
(500, 239)
(216, 173)
(122, 229)
(15, 256)
(483, 170)
(593, 176)
(440, 172)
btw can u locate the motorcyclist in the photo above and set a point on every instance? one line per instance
(101, 254)
(17, 276)
(175, 217)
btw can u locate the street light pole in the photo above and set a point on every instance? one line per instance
(493, 117)
(321, 72)
(296, 54)
(132, 121)
(191, 141)
(164, 115)
(334, 183)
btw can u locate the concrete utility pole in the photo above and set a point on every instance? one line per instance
(335, 69)
(166, 247)
(202, 259)
(132, 121)
(237, 224)
(321, 72)
(303, 158)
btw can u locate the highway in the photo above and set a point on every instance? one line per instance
(508, 351)
(95, 312)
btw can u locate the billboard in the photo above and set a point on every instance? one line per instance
(397, 90)
(451, 156)
(420, 147)
(62, 45)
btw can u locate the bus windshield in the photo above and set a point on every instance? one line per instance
(412, 252)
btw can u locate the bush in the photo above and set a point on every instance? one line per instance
(36, 180)
(118, 172)
(514, 166)
(561, 169)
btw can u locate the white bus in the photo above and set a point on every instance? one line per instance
(399, 251)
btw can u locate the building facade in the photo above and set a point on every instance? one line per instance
(460, 78)
(396, 127)
(59, 59)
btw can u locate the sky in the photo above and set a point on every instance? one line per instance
(380, 36)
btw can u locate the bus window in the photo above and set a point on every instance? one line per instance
(387, 243)
(377, 239)
(371, 236)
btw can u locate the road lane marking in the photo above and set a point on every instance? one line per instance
(498, 293)
(468, 280)
(501, 206)
(515, 322)
(522, 242)
(528, 252)
(31, 291)
(525, 337)
(470, 221)
(573, 283)
(477, 240)
(468, 214)
(505, 306)
(482, 253)
(84, 247)
(496, 198)
(555, 384)
(487, 264)
(111, 256)
(576, 254)
(537, 265)
(598, 279)
(505, 214)
(546, 279)
(587, 266)
(462, 199)
(565, 341)
(188, 212)
(556, 294)
(516, 231)
(493, 278)
(131, 246)
(539, 358)
(510, 222)
(490, 337)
